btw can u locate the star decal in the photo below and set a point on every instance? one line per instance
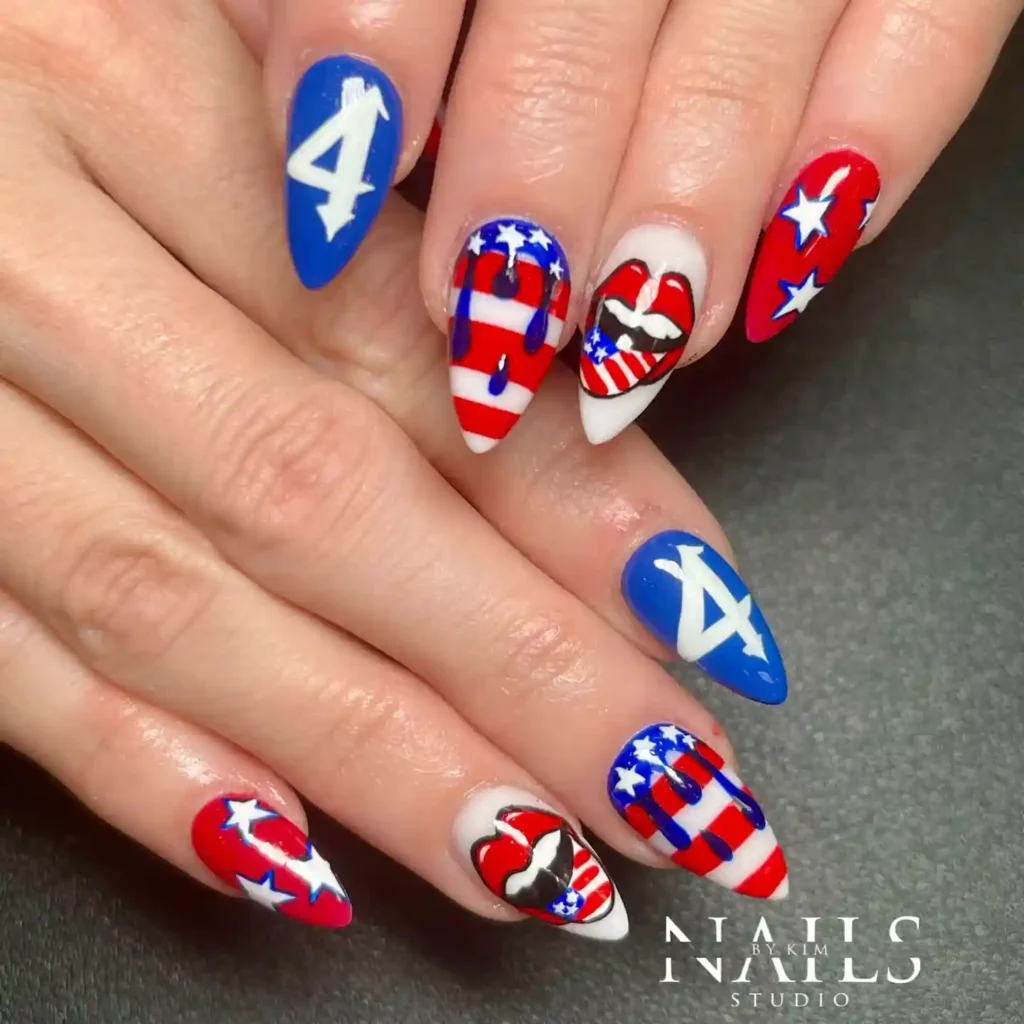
(869, 212)
(644, 750)
(808, 215)
(244, 814)
(690, 742)
(800, 295)
(629, 779)
(541, 238)
(475, 243)
(263, 891)
(671, 733)
(557, 270)
(510, 236)
(317, 874)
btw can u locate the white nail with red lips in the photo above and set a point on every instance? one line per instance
(534, 859)
(640, 321)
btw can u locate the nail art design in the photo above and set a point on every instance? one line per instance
(344, 140)
(509, 300)
(676, 792)
(691, 599)
(641, 317)
(815, 229)
(532, 858)
(261, 853)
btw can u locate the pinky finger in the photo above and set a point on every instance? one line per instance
(192, 798)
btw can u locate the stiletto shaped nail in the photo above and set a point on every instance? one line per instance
(344, 140)
(690, 598)
(258, 851)
(640, 320)
(528, 855)
(817, 226)
(676, 792)
(508, 303)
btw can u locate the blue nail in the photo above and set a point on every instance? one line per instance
(691, 599)
(344, 140)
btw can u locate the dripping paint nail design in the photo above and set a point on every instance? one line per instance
(692, 599)
(640, 320)
(676, 792)
(344, 141)
(532, 858)
(259, 852)
(815, 229)
(509, 300)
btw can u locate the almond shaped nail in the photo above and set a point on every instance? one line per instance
(509, 299)
(640, 321)
(269, 859)
(676, 793)
(530, 856)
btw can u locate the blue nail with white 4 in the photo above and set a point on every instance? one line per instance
(344, 140)
(691, 599)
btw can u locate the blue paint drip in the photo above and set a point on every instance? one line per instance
(719, 847)
(747, 804)
(506, 284)
(499, 379)
(665, 823)
(462, 335)
(683, 786)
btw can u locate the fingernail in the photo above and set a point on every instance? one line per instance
(691, 598)
(344, 140)
(675, 791)
(817, 226)
(640, 320)
(508, 303)
(531, 857)
(268, 858)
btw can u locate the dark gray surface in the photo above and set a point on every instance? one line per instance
(868, 466)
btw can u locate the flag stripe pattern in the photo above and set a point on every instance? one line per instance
(612, 374)
(675, 791)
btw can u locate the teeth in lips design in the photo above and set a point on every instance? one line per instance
(534, 859)
(640, 321)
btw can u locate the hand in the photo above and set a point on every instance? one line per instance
(636, 149)
(245, 549)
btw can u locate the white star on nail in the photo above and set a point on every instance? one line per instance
(263, 891)
(808, 215)
(800, 295)
(869, 212)
(540, 238)
(476, 244)
(557, 270)
(671, 732)
(317, 874)
(629, 779)
(244, 814)
(643, 750)
(690, 742)
(509, 235)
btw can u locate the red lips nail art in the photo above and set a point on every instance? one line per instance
(268, 858)
(815, 229)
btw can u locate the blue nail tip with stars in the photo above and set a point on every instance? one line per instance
(344, 140)
(690, 598)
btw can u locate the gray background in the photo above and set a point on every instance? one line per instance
(868, 466)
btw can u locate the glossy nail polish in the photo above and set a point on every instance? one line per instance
(508, 303)
(344, 141)
(536, 861)
(269, 859)
(815, 229)
(640, 320)
(691, 599)
(675, 791)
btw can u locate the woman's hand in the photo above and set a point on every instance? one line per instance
(239, 516)
(635, 149)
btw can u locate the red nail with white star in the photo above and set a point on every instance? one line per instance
(815, 229)
(268, 858)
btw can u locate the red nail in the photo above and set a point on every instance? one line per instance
(259, 852)
(815, 229)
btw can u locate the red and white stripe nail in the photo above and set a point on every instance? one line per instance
(535, 860)
(258, 851)
(816, 228)
(508, 304)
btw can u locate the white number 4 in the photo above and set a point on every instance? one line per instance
(354, 126)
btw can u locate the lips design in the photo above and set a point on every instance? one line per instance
(637, 330)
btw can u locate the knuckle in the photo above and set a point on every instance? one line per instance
(290, 474)
(915, 30)
(129, 596)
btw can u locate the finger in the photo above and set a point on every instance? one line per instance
(897, 80)
(159, 779)
(725, 88)
(540, 108)
(356, 123)
(142, 602)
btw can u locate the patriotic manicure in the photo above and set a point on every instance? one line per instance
(691, 599)
(532, 858)
(344, 140)
(676, 792)
(815, 229)
(258, 851)
(640, 320)
(508, 303)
